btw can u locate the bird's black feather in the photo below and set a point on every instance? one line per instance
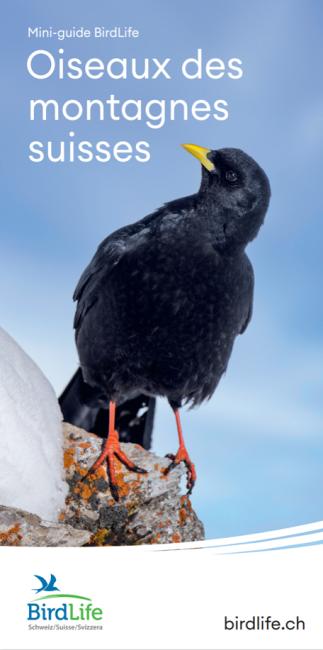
(163, 299)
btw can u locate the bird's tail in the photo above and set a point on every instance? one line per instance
(134, 419)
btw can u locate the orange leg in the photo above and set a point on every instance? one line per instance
(112, 450)
(182, 456)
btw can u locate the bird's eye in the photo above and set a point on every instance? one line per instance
(231, 176)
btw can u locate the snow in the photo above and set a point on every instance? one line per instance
(31, 438)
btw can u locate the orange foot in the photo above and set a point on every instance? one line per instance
(182, 456)
(111, 451)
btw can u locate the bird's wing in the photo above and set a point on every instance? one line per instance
(51, 582)
(111, 251)
(249, 297)
(43, 582)
(107, 256)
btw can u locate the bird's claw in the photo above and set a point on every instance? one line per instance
(108, 455)
(191, 478)
(182, 456)
(171, 466)
(139, 470)
(114, 491)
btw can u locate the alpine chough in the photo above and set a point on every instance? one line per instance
(163, 299)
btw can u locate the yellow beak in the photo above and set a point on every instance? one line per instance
(201, 154)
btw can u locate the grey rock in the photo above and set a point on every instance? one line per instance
(20, 528)
(151, 508)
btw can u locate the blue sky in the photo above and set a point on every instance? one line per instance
(258, 444)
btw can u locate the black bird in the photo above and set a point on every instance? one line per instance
(163, 299)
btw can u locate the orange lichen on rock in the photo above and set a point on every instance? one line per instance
(69, 455)
(125, 488)
(182, 516)
(81, 470)
(11, 537)
(185, 501)
(176, 538)
(99, 538)
(100, 472)
(185, 509)
(84, 490)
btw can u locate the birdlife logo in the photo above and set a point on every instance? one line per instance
(55, 609)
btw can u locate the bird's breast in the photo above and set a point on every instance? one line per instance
(182, 289)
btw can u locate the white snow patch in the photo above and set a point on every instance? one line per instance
(31, 437)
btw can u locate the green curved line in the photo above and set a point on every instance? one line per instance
(61, 596)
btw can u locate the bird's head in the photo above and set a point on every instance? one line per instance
(234, 191)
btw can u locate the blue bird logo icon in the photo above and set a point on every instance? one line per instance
(46, 586)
